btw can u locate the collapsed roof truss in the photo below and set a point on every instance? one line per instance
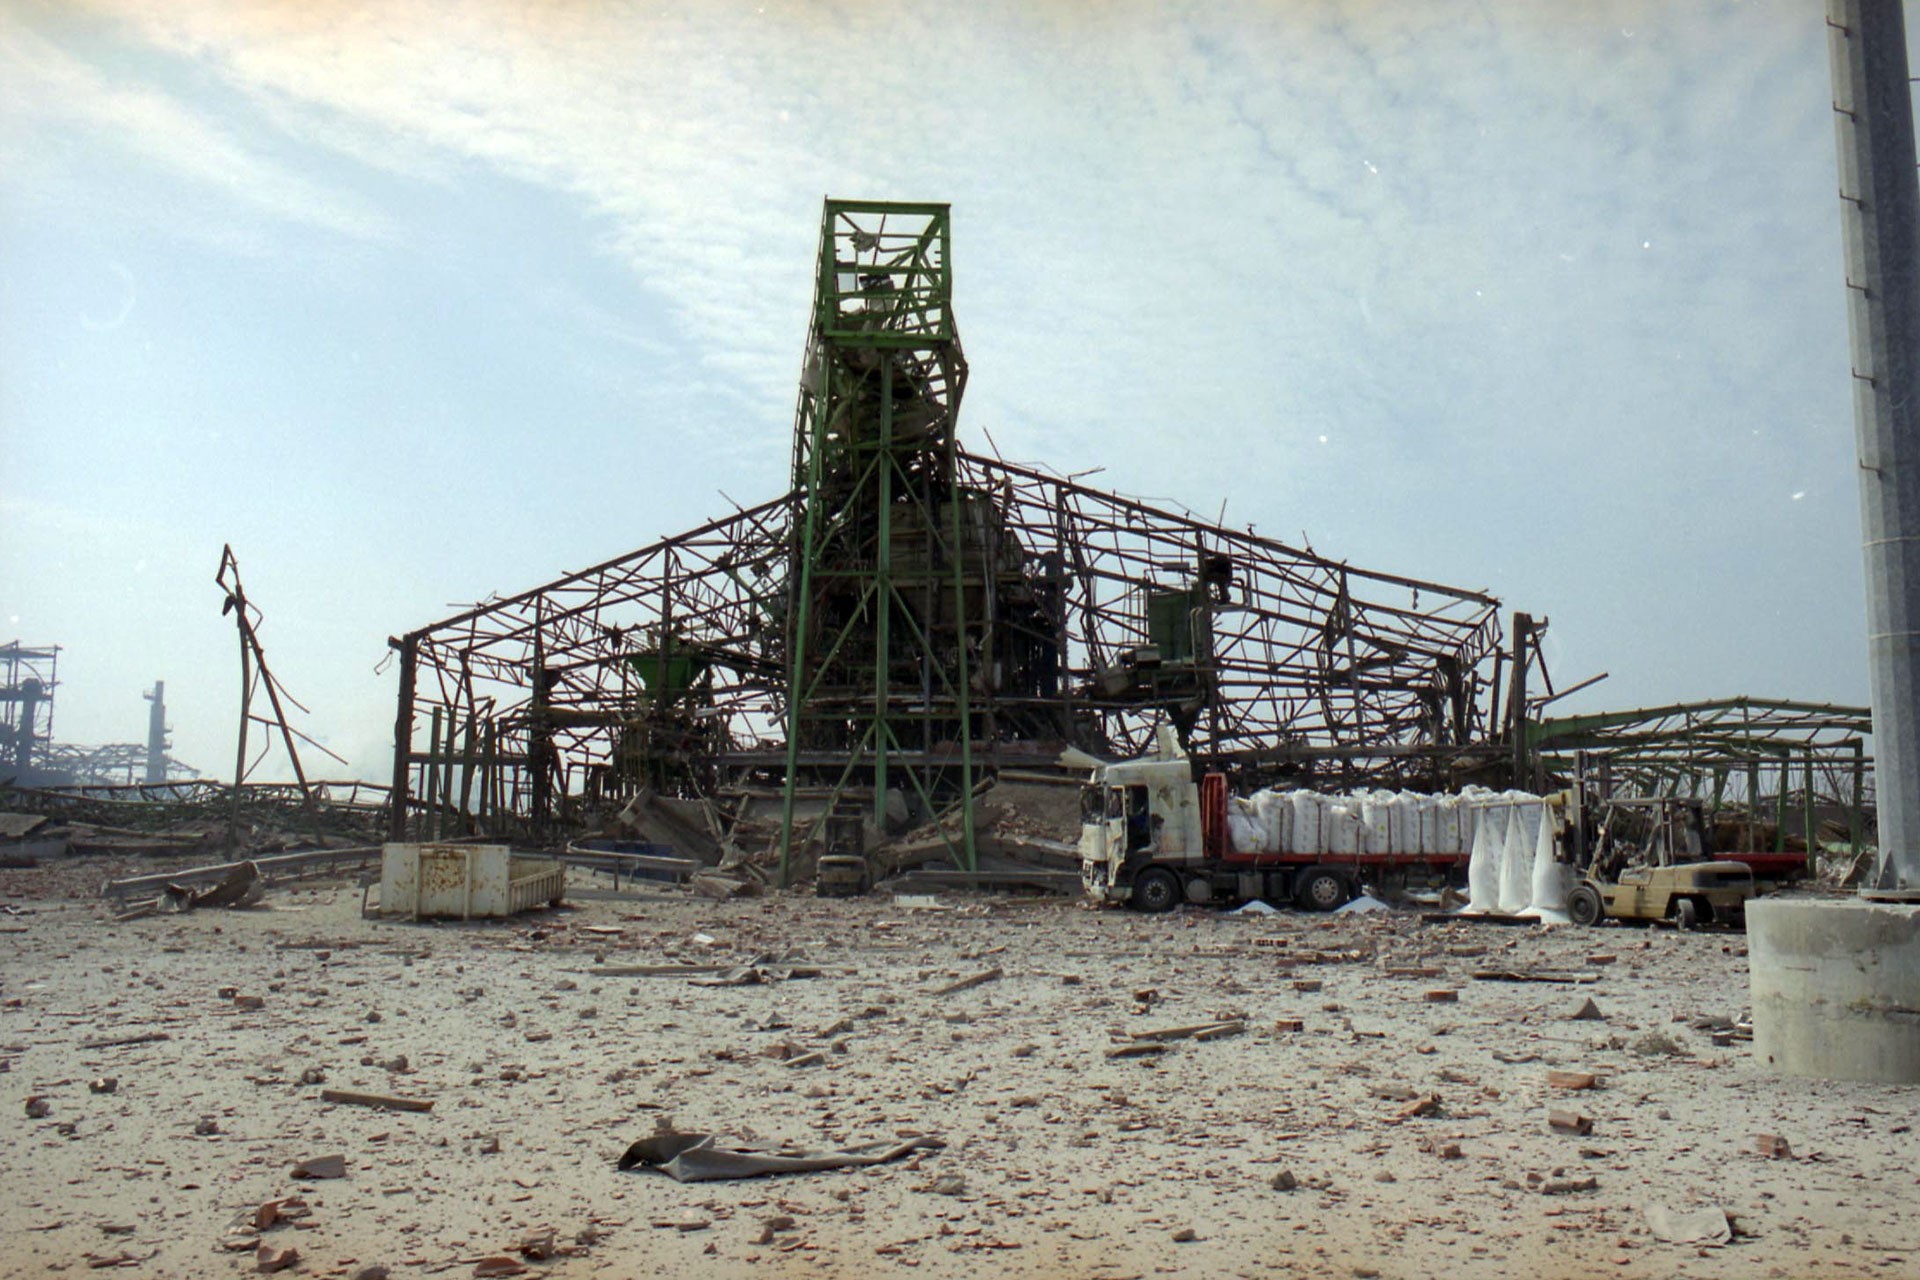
(1305, 653)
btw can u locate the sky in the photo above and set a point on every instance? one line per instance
(414, 302)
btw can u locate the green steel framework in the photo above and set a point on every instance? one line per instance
(910, 615)
(1725, 752)
(878, 660)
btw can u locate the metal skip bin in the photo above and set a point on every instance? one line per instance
(466, 881)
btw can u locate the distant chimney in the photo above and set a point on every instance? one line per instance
(157, 733)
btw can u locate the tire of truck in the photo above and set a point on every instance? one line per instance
(1686, 914)
(1321, 889)
(1156, 889)
(1585, 906)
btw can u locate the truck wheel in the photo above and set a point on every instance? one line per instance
(1686, 915)
(1320, 889)
(1156, 889)
(1585, 906)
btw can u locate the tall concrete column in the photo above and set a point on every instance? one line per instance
(1834, 984)
(1880, 202)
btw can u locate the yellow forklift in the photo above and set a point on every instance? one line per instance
(1650, 863)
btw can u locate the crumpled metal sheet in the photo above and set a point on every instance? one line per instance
(241, 887)
(755, 974)
(695, 1157)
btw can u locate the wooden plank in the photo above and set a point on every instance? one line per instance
(1532, 975)
(968, 983)
(148, 1037)
(384, 1101)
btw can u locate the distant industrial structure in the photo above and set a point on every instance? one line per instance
(31, 757)
(26, 706)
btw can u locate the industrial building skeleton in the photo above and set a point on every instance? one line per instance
(927, 615)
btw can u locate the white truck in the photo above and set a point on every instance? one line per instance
(1153, 837)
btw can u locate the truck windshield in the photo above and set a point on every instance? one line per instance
(1091, 804)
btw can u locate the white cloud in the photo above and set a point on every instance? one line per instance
(1194, 244)
(44, 89)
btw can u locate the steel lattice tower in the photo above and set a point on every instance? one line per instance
(886, 598)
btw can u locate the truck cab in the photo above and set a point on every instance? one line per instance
(1136, 813)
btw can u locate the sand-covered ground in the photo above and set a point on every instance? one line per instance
(1407, 1135)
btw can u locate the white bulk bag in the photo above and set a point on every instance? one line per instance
(1275, 816)
(1426, 823)
(1406, 816)
(1532, 810)
(1483, 869)
(1307, 834)
(1516, 864)
(1376, 820)
(1340, 827)
(1447, 827)
(1243, 829)
(1551, 877)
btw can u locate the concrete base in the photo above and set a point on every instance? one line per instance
(1836, 989)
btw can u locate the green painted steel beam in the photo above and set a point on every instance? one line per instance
(868, 549)
(1850, 719)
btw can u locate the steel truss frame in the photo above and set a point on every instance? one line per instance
(110, 764)
(889, 596)
(28, 678)
(910, 610)
(1751, 754)
(1312, 660)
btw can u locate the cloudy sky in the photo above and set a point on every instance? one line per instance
(415, 301)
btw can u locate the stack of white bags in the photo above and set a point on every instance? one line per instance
(1508, 837)
(1513, 870)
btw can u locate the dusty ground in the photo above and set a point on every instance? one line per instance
(1068, 1162)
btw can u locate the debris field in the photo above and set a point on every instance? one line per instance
(1026, 1087)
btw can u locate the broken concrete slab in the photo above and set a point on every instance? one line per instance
(318, 1167)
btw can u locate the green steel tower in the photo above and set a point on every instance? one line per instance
(886, 601)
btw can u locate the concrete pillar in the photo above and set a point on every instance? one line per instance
(1834, 987)
(1880, 203)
